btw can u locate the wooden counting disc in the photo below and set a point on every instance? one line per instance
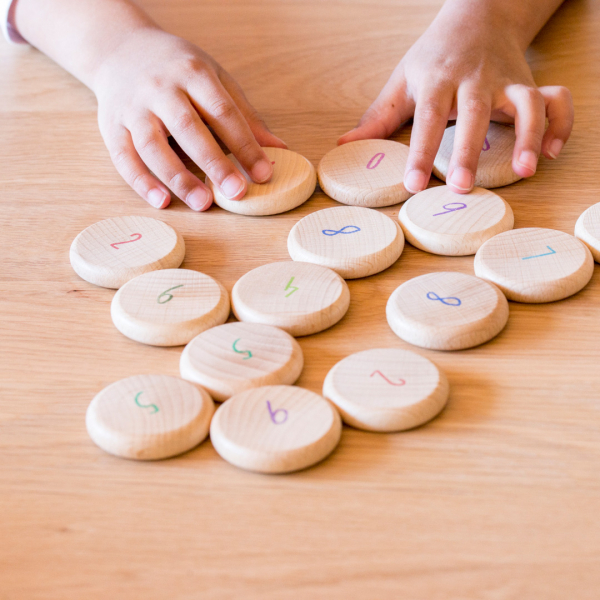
(442, 222)
(447, 311)
(352, 240)
(495, 161)
(298, 297)
(365, 173)
(293, 182)
(386, 389)
(169, 307)
(111, 252)
(148, 417)
(275, 429)
(535, 265)
(587, 229)
(234, 357)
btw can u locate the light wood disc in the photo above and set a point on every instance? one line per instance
(234, 357)
(587, 229)
(535, 265)
(442, 222)
(495, 161)
(293, 182)
(365, 173)
(111, 252)
(169, 307)
(352, 240)
(447, 311)
(298, 297)
(148, 417)
(275, 429)
(386, 389)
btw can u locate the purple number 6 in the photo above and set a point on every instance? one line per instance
(273, 414)
(374, 162)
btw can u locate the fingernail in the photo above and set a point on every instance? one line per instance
(156, 197)
(232, 186)
(199, 199)
(415, 181)
(528, 160)
(261, 171)
(555, 147)
(462, 179)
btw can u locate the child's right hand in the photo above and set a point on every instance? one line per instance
(154, 85)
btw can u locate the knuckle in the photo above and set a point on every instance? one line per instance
(177, 182)
(119, 156)
(137, 181)
(221, 109)
(183, 121)
(146, 141)
(422, 155)
(478, 106)
(430, 110)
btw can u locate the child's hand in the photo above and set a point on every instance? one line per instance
(470, 68)
(154, 85)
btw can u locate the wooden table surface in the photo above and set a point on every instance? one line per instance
(496, 499)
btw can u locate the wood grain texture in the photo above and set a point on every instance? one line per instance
(496, 498)
(235, 357)
(293, 182)
(300, 298)
(386, 389)
(447, 311)
(365, 173)
(113, 251)
(169, 307)
(352, 240)
(442, 222)
(495, 161)
(275, 429)
(535, 264)
(587, 229)
(148, 417)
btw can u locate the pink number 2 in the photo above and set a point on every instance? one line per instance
(135, 239)
(375, 161)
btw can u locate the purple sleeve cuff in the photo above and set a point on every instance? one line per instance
(7, 22)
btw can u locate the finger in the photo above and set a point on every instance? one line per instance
(431, 118)
(133, 170)
(530, 121)
(259, 128)
(150, 141)
(194, 138)
(472, 123)
(217, 108)
(389, 111)
(560, 112)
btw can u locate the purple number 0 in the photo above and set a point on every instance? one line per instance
(375, 161)
(273, 414)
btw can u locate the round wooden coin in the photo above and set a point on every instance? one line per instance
(442, 222)
(495, 161)
(234, 357)
(169, 307)
(535, 265)
(587, 229)
(293, 182)
(352, 240)
(386, 389)
(275, 429)
(447, 311)
(298, 297)
(365, 173)
(111, 252)
(148, 417)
